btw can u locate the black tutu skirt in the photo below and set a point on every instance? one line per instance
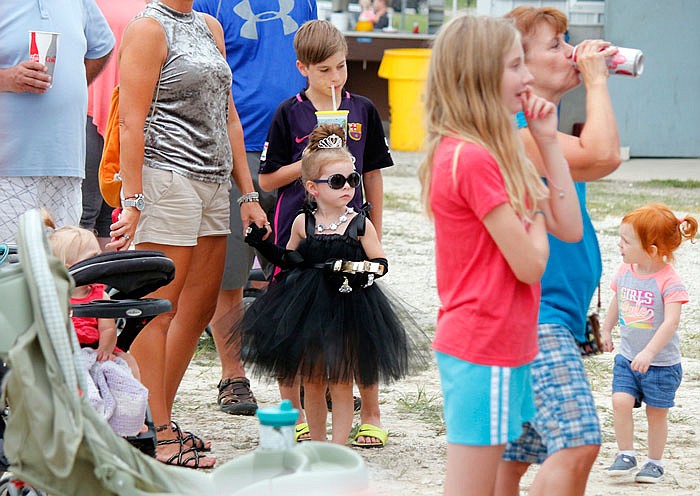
(304, 326)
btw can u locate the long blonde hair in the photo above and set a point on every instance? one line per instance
(464, 100)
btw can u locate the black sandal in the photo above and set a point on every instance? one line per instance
(235, 396)
(180, 459)
(188, 438)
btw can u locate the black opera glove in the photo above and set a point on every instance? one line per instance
(285, 259)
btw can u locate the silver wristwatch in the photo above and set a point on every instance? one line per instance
(136, 201)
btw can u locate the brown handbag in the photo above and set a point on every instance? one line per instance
(593, 344)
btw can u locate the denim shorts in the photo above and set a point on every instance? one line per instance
(565, 411)
(656, 387)
(484, 405)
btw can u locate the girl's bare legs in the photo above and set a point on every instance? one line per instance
(658, 431)
(369, 413)
(471, 470)
(343, 411)
(291, 392)
(624, 423)
(316, 408)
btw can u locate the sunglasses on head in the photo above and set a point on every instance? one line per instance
(337, 181)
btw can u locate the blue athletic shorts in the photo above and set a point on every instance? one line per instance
(484, 405)
(565, 411)
(656, 387)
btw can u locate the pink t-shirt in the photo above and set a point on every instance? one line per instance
(487, 316)
(118, 14)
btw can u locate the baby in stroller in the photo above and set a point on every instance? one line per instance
(114, 388)
(72, 245)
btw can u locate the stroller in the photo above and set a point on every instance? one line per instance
(57, 442)
(130, 275)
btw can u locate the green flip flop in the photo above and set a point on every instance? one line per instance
(369, 430)
(300, 430)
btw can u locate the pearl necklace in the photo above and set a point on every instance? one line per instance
(333, 226)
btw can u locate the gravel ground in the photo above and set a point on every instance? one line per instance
(413, 462)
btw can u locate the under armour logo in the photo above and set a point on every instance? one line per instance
(250, 30)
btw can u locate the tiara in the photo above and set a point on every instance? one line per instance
(332, 141)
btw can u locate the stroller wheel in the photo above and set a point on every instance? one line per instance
(9, 486)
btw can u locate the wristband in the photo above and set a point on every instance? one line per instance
(253, 196)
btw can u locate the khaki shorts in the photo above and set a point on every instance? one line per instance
(180, 210)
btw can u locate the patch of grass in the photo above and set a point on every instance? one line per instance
(403, 202)
(674, 183)
(428, 407)
(615, 198)
(206, 349)
(676, 417)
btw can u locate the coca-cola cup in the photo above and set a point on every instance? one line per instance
(42, 48)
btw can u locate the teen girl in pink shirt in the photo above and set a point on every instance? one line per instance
(492, 212)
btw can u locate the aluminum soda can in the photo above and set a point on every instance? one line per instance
(626, 62)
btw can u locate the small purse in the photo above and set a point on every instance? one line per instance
(593, 345)
(108, 176)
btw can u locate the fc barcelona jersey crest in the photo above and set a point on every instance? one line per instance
(355, 130)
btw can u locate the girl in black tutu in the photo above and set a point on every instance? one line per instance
(323, 318)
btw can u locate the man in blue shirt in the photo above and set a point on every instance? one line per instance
(259, 39)
(42, 119)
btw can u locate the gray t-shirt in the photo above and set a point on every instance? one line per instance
(641, 300)
(188, 133)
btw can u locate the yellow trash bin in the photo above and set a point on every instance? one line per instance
(406, 69)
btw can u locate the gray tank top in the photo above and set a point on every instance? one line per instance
(188, 133)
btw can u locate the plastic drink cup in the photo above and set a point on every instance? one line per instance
(43, 47)
(337, 117)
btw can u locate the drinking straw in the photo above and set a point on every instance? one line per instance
(335, 107)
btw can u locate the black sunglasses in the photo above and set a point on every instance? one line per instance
(337, 181)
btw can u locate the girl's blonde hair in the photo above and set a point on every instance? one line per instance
(656, 225)
(464, 100)
(72, 244)
(315, 156)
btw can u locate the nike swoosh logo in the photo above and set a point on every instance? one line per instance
(299, 140)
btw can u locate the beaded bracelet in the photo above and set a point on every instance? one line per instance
(253, 196)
